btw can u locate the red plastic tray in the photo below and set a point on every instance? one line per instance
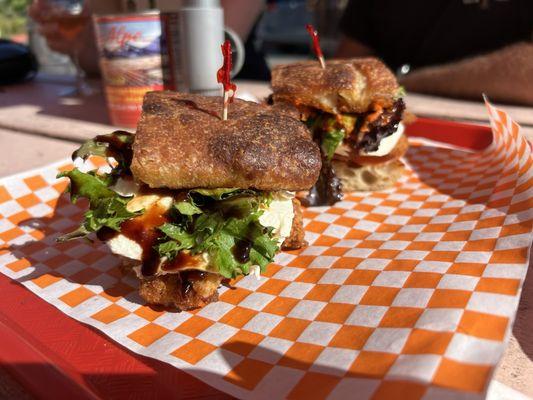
(55, 357)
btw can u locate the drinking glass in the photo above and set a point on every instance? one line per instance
(71, 19)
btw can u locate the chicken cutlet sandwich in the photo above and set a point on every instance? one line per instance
(193, 200)
(353, 108)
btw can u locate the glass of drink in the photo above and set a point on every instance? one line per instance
(71, 18)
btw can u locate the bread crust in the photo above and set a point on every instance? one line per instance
(182, 143)
(344, 86)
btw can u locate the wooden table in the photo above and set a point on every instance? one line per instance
(38, 127)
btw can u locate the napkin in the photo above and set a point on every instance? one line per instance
(409, 292)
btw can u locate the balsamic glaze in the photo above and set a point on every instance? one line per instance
(327, 189)
(180, 261)
(188, 277)
(385, 125)
(143, 230)
(118, 147)
(241, 250)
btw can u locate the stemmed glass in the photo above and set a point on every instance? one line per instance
(71, 19)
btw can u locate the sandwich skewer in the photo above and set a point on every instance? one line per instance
(316, 45)
(224, 77)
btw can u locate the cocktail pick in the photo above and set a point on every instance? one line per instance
(316, 44)
(224, 77)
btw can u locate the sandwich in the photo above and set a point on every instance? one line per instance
(192, 201)
(353, 108)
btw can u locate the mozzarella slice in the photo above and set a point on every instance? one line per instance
(387, 144)
(279, 215)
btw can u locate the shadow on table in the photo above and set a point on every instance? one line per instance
(162, 380)
(90, 108)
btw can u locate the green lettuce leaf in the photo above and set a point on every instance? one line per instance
(216, 229)
(116, 144)
(222, 193)
(88, 185)
(107, 208)
(187, 208)
(331, 139)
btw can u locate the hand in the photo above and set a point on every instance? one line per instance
(40, 11)
(84, 45)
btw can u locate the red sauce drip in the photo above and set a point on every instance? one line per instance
(224, 73)
(316, 44)
(182, 260)
(143, 230)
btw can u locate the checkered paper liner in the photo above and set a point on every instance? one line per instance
(409, 292)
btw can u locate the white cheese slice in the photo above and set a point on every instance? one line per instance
(279, 215)
(125, 187)
(387, 144)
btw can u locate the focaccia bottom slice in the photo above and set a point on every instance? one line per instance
(369, 177)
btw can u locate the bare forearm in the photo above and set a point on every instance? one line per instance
(504, 75)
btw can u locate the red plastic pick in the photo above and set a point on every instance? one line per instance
(316, 44)
(224, 77)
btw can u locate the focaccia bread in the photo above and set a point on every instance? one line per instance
(181, 142)
(344, 86)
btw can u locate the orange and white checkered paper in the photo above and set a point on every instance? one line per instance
(409, 292)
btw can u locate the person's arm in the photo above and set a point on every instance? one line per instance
(504, 75)
(241, 15)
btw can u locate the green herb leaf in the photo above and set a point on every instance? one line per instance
(107, 208)
(331, 139)
(187, 208)
(217, 229)
(89, 185)
(81, 232)
(401, 92)
(223, 193)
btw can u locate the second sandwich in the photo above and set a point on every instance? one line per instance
(354, 108)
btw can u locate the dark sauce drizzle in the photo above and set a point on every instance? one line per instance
(328, 188)
(241, 250)
(143, 230)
